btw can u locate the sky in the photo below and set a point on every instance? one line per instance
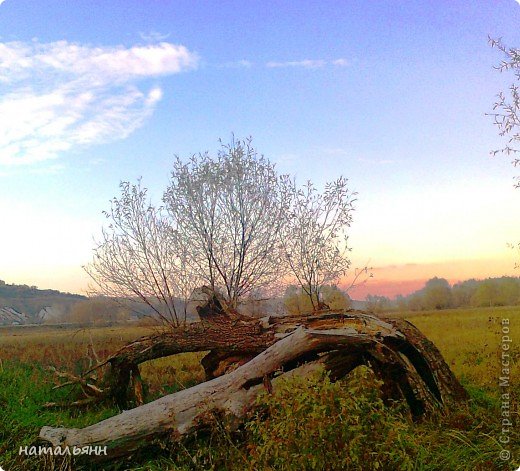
(391, 95)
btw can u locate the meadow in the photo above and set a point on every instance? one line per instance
(308, 423)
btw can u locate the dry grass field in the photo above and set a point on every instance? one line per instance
(69, 349)
(471, 339)
(326, 425)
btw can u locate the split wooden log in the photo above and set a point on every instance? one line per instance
(409, 364)
(232, 340)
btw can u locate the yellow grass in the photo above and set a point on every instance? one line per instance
(68, 349)
(471, 340)
(63, 346)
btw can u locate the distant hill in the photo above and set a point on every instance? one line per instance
(22, 304)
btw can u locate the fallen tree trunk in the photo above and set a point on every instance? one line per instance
(221, 331)
(232, 394)
(232, 340)
(410, 366)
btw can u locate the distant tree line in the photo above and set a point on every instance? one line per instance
(13, 291)
(297, 302)
(437, 293)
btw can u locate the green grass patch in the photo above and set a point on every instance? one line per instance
(24, 391)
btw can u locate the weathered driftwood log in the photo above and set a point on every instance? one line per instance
(410, 365)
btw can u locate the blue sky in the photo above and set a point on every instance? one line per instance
(390, 94)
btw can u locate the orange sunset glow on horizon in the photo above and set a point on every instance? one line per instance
(392, 280)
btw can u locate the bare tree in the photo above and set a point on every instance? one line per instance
(506, 110)
(232, 209)
(220, 226)
(230, 222)
(315, 236)
(142, 258)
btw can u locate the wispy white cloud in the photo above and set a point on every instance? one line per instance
(341, 62)
(307, 63)
(154, 36)
(56, 96)
(242, 64)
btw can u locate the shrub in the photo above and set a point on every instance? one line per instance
(313, 423)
